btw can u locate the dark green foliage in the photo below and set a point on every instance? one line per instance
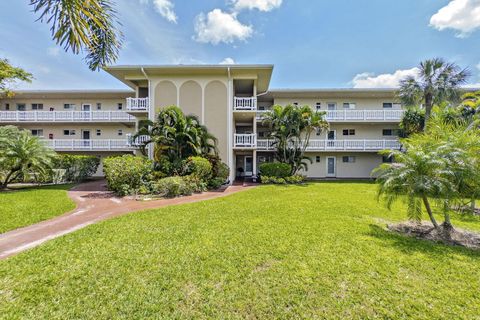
(413, 121)
(295, 179)
(172, 187)
(127, 174)
(199, 167)
(77, 167)
(275, 169)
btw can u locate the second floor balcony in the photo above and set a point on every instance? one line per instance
(90, 144)
(138, 104)
(367, 115)
(245, 104)
(65, 116)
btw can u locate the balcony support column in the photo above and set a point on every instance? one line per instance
(254, 164)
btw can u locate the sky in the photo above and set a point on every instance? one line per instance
(312, 43)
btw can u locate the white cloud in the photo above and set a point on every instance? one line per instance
(262, 5)
(53, 51)
(387, 80)
(460, 15)
(218, 26)
(228, 61)
(165, 8)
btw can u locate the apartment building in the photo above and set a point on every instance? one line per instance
(229, 99)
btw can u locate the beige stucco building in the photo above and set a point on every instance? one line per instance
(229, 100)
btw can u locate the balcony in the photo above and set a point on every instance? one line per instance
(90, 145)
(138, 104)
(356, 115)
(245, 104)
(138, 141)
(245, 140)
(65, 116)
(338, 145)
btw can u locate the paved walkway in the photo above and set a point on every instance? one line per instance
(94, 203)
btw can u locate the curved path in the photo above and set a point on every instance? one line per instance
(94, 203)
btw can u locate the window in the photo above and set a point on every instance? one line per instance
(99, 106)
(387, 159)
(120, 132)
(99, 132)
(120, 106)
(68, 106)
(349, 105)
(387, 105)
(37, 132)
(318, 106)
(397, 106)
(349, 159)
(21, 107)
(7, 106)
(261, 134)
(37, 106)
(390, 132)
(68, 132)
(317, 159)
(331, 106)
(348, 132)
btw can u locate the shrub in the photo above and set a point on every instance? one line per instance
(197, 184)
(171, 187)
(126, 174)
(77, 167)
(275, 169)
(199, 167)
(295, 179)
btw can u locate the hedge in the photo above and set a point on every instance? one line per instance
(77, 167)
(275, 169)
(127, 174)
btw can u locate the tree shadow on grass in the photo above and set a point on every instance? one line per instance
(24, 188)
(409, 245)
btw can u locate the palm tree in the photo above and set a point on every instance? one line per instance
(177, 136)
(436, 81)
(291, 127)
(83, 26)
(21, 153)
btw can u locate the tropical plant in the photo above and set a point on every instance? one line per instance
(127, 174)
(83, 26)
(275, 169)
(413, 121)
(176, 137)
(77, 167)
(291, 128)
(22, 154)
(10, 74)
(436, 81)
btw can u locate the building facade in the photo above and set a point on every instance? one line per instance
(229, 99)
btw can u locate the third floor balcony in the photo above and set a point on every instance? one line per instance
(368, 115)
(65, 116)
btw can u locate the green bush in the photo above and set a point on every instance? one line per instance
(295, 179)
(172, 187)
(220, 172)
(199, 167)
(197, 184)
(275, 169)
(127, 174)
(77, 167)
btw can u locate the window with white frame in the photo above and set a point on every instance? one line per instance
(349, 105)
(120, 132)
(390, 132)
(99, 132)
(349, 159)
(37, 106)
(68, 106)
(68, 132)
(318, 106)
(99, 106)
(331, 106)
(387, 105)
(21, 107)
(7, 106)
(37, 132)
(317, 159)
(120, 106)
(348, 132)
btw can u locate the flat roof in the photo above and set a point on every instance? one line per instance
(71, 94)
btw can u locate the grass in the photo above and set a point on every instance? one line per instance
(30, 205)
(316, 251)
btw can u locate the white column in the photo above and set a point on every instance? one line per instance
(230, 128)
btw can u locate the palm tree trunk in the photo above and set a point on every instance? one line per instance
(429, 211)
(447, 227)
(473, 205)
(428, 108)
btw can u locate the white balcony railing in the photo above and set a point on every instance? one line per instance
(138, 104)
(65, 116)
(339, 145)
(245, 140)
(245, 104)
(356, 115)
(86, 145)
(138, 141)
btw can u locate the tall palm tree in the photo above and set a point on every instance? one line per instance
(21, 153)
(435, 82)
(291, 127)
(89, 26)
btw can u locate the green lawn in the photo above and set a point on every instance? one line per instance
(316, 251)
(34, 204)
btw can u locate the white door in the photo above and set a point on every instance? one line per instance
(248, 166)
(85, 115)
(331, 166)
(86, 138)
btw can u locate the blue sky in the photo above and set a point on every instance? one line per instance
(313, 43)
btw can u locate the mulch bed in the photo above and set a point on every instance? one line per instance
(426, 231)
